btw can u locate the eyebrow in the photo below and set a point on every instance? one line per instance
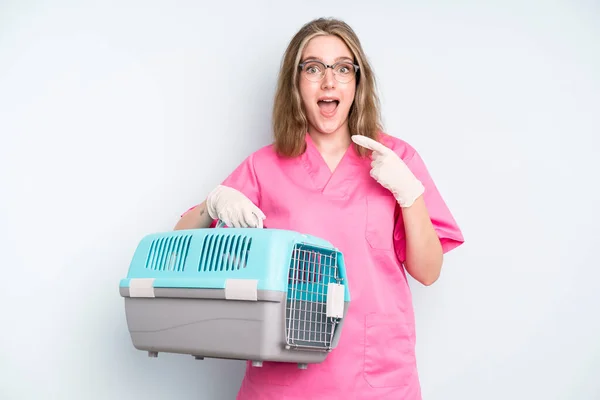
(336, 60)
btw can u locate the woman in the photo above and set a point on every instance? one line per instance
(332, 172)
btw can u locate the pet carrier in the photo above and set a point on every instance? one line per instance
(236, 293)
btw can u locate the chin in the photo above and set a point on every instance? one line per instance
(332, 131)
(328, 127)
(326, 130)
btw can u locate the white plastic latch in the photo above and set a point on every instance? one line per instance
(241, 289)
(141, 287)
(335, 300)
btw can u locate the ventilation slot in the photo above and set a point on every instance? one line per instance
(224, 252)
(168, 253)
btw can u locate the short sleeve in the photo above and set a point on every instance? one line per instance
(243, 178)
(442, 219)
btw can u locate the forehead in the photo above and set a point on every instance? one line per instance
(326, 48)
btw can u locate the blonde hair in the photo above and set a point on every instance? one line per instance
(289, 119)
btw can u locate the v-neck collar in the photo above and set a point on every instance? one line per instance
(329, 183)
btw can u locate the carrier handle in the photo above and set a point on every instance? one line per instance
(221, 224)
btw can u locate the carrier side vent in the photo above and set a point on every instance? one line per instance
(224, 253)
(168, 253)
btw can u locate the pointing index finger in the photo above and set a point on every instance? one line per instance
(369, 144)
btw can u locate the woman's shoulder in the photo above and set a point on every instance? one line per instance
(401, 147)
(263, 153)
(262, 157)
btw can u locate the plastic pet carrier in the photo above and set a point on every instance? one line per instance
(236, 293)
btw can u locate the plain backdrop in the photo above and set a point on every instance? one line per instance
(117, 116)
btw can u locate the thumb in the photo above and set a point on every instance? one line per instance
(259, 213)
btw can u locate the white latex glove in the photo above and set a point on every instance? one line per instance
(233, 208)
(391, 172)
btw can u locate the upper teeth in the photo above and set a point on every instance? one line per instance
(328, 100)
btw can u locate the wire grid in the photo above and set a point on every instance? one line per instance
(310, 272)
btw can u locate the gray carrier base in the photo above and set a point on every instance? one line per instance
(202, 323)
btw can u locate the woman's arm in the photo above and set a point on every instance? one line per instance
(424, 255)
(195, 218)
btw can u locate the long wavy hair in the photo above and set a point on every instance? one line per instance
(290, 123)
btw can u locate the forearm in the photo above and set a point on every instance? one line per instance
(424, 253)
(194, 219)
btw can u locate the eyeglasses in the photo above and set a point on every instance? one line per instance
(314, 70)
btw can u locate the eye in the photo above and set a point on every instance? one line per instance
(344, 69)
(312, 68)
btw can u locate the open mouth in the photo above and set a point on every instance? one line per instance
(328, 106)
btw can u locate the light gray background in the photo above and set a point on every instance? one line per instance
(115, 117)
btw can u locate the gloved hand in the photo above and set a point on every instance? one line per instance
(233, 208)
(391, 172)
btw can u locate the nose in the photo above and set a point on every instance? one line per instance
(328, 79)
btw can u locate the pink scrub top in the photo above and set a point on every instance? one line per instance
(375, 358)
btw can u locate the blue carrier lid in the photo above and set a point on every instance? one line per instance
(218, 258)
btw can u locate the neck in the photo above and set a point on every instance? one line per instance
(333, 142)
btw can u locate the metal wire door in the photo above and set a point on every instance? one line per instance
(307, 324)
